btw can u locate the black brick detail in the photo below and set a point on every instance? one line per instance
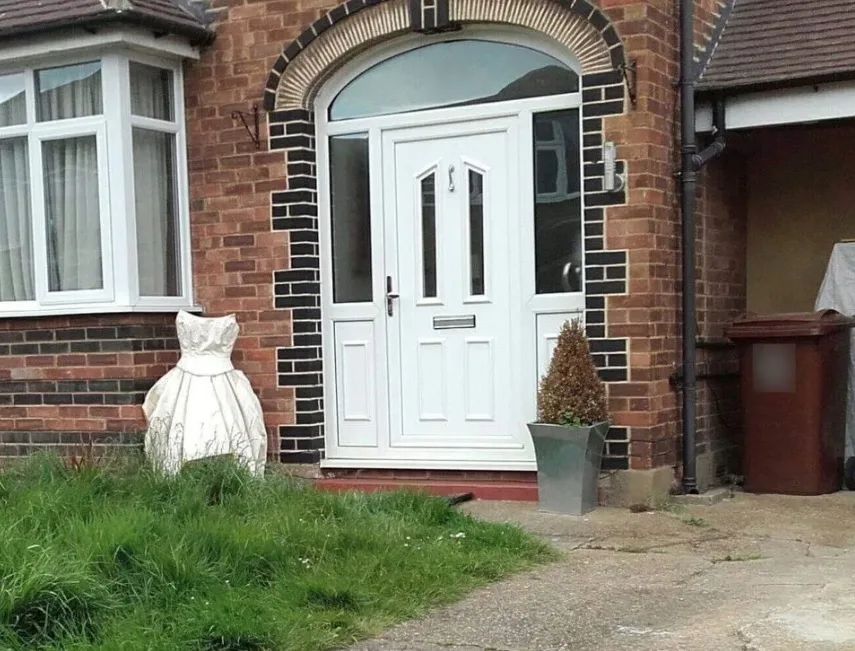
(597, 109)
(76, 392)
(614, 92)
(595, 303)
(614, 463)
(607, 345)
(618, 434)
(594, 273)
(606, 258)
(605, 288)
(592, 140)
(591, 125)
(617, 449)
(300, 457)
(593, 229)
(610, 36)
(618, 56)
(598, 20)
(614, 374)
(602, 79)
(594, 244)
(17, 444)
(595, 331)
(89, 340)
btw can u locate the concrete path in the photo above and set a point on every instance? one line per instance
(752, 573)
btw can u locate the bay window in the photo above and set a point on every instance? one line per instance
(93, 213)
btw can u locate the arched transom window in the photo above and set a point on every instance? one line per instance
(453, 74)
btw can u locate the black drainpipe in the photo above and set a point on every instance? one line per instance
(691, 162)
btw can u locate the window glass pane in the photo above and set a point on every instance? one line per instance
(558, 203)
(13, 104)
(476, 232)
(151, 92)
(16, 244)
(72, 214)
(351, 219)
(428, 200)
(453, 73)
(69, 92)
(158, 239)
(548, 167)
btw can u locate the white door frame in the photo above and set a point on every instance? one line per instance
(540, 314)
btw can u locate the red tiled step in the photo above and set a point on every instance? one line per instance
(514, 491)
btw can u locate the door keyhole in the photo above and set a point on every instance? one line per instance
(451, 178)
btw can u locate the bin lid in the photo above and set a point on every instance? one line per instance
(788, 325)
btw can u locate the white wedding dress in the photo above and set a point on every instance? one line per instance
(204, 407)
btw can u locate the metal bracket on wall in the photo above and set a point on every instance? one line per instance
(254, 131)
(630, 77)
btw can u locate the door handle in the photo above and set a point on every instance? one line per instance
(390, 297)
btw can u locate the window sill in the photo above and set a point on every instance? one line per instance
(95, 310)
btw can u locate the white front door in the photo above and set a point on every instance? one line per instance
(445, 286)
(451, 263)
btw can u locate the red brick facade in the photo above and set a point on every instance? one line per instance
(71, 381)
(236, 250)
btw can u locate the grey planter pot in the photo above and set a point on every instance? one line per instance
(568, 466)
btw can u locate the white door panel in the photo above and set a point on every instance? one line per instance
(356, 389)
(451, 353)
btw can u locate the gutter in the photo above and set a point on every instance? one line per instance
(199, 35)
(691, 163)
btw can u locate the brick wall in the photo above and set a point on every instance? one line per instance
(722, 288)
(649, 228)
(235, 249)
(721, 284)
(69, 381)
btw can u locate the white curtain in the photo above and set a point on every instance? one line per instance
(157, 242)
(70, 168)
(70, 92)
(73, 214)
(16, 244)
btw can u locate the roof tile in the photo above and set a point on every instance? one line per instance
(20, 16)
(767, 42)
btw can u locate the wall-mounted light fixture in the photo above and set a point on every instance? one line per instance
(613, 182)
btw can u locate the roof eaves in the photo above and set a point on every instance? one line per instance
(748, 86)
(198, 34)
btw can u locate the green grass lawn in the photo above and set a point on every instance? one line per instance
(217, 561)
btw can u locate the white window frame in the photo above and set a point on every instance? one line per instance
(113, 130)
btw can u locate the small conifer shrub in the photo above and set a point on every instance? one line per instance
(572, 393)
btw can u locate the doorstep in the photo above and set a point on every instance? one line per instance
(512, 487)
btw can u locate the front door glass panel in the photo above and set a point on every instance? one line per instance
(557, 202)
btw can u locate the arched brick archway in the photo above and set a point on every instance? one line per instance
(351, 29)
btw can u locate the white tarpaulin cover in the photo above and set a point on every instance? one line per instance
(204, 407)
(838, 293)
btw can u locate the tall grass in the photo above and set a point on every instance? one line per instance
(215, 560)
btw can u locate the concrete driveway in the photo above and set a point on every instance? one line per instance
(752, 573)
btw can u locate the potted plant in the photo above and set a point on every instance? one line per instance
(571, 429)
